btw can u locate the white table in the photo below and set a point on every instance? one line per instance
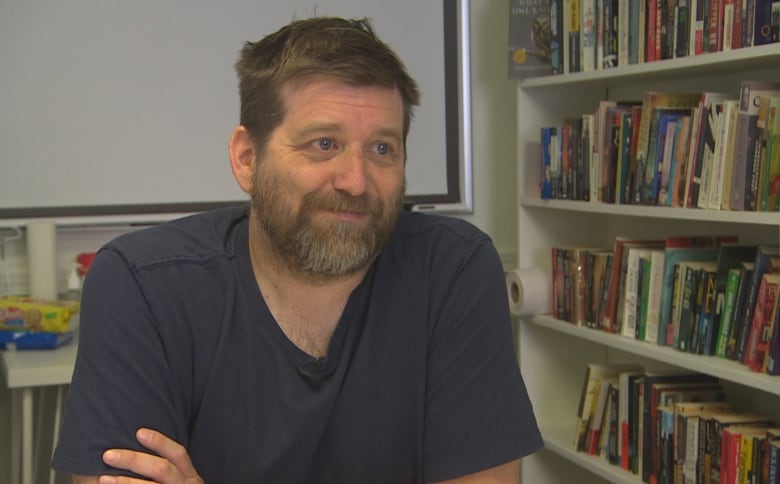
(25, 371)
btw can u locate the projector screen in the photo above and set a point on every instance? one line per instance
(126, 106)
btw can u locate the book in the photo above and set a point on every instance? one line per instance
(556, 36)
(715, 424)
(735, 331)
(730, 256)
(626, 382)
(597, 417)
(772, 170)
(697, 142)
(766, 261)
(529, 39)
(693, 295)
(545, 178)
(651, 101)
(724, 180)
(687, 416)
(742, 169)
(587, 35)
(666, 395)
(703, 339)
(631, 253)
(653, 314)
(700, 188)
(668, 329)
(608, 317)
(572, 26)
(649, 410)
(760, 327)
(772, 358)
(594, 373)
(720, 159)
(659, 152)
(727, 315)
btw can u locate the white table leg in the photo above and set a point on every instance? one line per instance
(16, 434)
(56, 431)
(27, 435)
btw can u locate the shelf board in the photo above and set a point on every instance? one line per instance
(758, 57)
(722, 368)
(732, 216)
(557, 439)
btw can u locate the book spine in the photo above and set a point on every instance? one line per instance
(727, 316)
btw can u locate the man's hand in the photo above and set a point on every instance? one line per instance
(171, 465)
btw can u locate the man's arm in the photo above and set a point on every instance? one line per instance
(170, 463)
(508, 473)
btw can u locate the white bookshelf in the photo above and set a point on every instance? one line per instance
(553, 354)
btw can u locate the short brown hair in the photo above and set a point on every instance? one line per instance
(331, 47)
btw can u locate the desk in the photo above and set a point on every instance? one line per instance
(25, 371)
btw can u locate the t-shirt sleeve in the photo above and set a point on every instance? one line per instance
(121, 380)
(478, 414)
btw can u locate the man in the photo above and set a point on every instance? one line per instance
(325, 335)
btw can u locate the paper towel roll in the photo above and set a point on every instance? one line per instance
(529, 291)
(42, 260)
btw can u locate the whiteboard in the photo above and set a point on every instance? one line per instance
(126, 106)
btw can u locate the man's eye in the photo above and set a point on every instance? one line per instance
(382, 148)
(324, 144)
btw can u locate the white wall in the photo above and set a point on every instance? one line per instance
(493, 109)
(493, 120)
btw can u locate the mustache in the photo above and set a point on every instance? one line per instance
(342, 202)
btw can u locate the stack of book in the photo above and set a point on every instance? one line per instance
(704, 150)
(706, 295)
(673, 427)
(568, 36)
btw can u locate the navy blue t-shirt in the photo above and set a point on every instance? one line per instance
(420, 382)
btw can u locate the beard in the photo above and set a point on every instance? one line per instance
(320, 252)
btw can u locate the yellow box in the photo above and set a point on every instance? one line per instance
(53, 316)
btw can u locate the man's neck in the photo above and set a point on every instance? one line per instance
(306, 309)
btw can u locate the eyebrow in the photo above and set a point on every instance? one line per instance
(319, 127)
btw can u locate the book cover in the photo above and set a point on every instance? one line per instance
(651, 101)
(693, 168)
(772, 358)
(739, 307)
(629, 289)
(681, 26)
(573, 31)
(666, 394)
(668, 330)
(724, 181)
(705, 331)
(556, 36)
(587, 35)
(530, 33)
(766, 262)
(701, 175)
(653, 315)
(726, 123)
(626, 382)
(694, 273)
(650, 408)
(762, 26)
(770, 192)
(760, 327)
(594, 373)
(730, 260)
(545, 181)
(685, 441)
(677, 168)
(742, 169)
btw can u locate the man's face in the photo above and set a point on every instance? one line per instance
(328, 188)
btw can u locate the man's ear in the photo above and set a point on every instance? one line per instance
(241, 150)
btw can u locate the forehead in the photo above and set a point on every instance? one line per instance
(312, 97)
